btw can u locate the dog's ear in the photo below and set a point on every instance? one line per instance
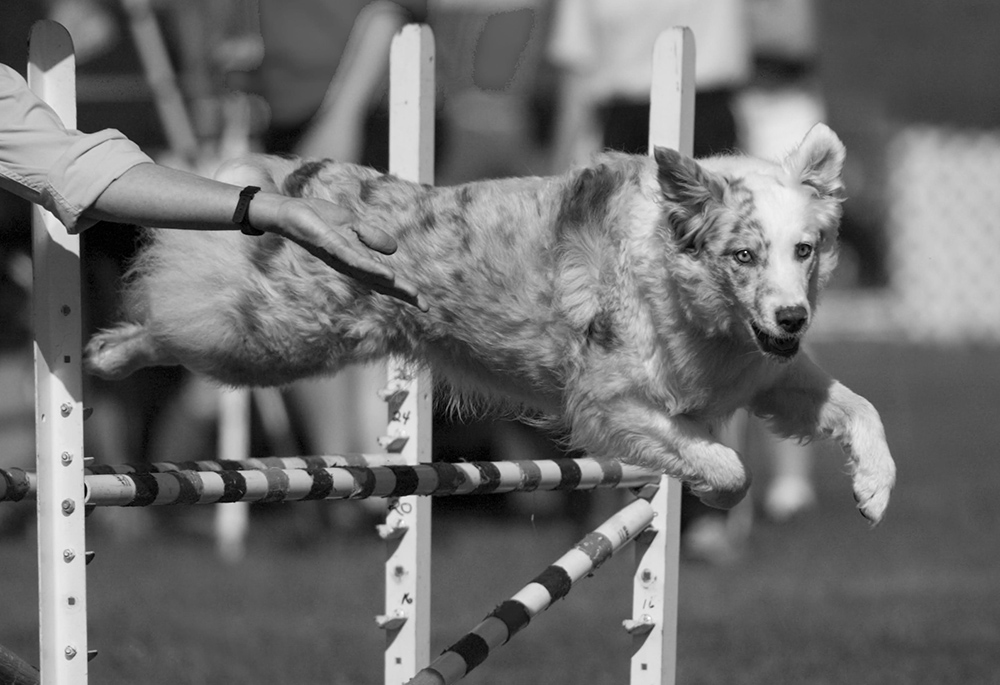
(818, 161)
(684, 181)
(689, 190)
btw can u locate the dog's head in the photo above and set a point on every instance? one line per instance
(758, 239)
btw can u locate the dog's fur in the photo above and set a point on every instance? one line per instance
(639, 301)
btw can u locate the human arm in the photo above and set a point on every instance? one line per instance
(154, 195)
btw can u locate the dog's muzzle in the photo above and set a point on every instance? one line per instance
(782, 347)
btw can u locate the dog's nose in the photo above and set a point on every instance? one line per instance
(791, 319)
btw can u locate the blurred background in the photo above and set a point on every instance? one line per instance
(791, 587)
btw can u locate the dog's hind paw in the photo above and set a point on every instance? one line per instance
(118, 352)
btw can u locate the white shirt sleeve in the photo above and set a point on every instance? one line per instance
(62, 170)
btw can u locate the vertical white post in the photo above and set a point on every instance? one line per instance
(232, 519)
(655, 586)
(162, 79)
(62, 578)
(408, 525)
(671, 111)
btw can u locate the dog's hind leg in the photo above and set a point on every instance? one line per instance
(118, 352)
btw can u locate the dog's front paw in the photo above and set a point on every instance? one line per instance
(873, 483)
(723, 480)
(719, 499)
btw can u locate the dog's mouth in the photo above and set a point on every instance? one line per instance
(783, 347)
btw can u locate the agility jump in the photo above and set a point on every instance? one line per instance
(64, 487)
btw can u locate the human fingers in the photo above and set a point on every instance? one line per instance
(371, 236)
(340, 249)
(374, 274)
(397, 288)
(375, 238)
(326, 231)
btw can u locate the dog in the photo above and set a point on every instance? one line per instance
(637, 302)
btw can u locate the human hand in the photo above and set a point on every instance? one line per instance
(331, 234)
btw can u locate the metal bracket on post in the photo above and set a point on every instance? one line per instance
(62, 578)
(653, 625)
(408, 394)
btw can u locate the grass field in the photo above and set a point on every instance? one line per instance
(823, 599)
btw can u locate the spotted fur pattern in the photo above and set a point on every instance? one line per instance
(638, 302)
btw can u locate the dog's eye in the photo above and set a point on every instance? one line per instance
(744, 256)
(803, 250)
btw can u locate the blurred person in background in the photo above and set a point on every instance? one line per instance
(324, 75)
(496, 87)
(604, 50)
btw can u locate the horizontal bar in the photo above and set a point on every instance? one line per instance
(312, 462)
(271, 484)
(550, 585)
(17, 484)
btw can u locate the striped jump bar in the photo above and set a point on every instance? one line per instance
(272, 484)
(552, 584)
(311, 462)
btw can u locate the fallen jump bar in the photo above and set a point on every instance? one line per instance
(338, 482)
(552, 584)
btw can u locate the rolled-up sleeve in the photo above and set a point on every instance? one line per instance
(63, 170)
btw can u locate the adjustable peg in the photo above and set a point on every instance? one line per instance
(640, 627)
(394, 622)
(393, 443)
(392, 531)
